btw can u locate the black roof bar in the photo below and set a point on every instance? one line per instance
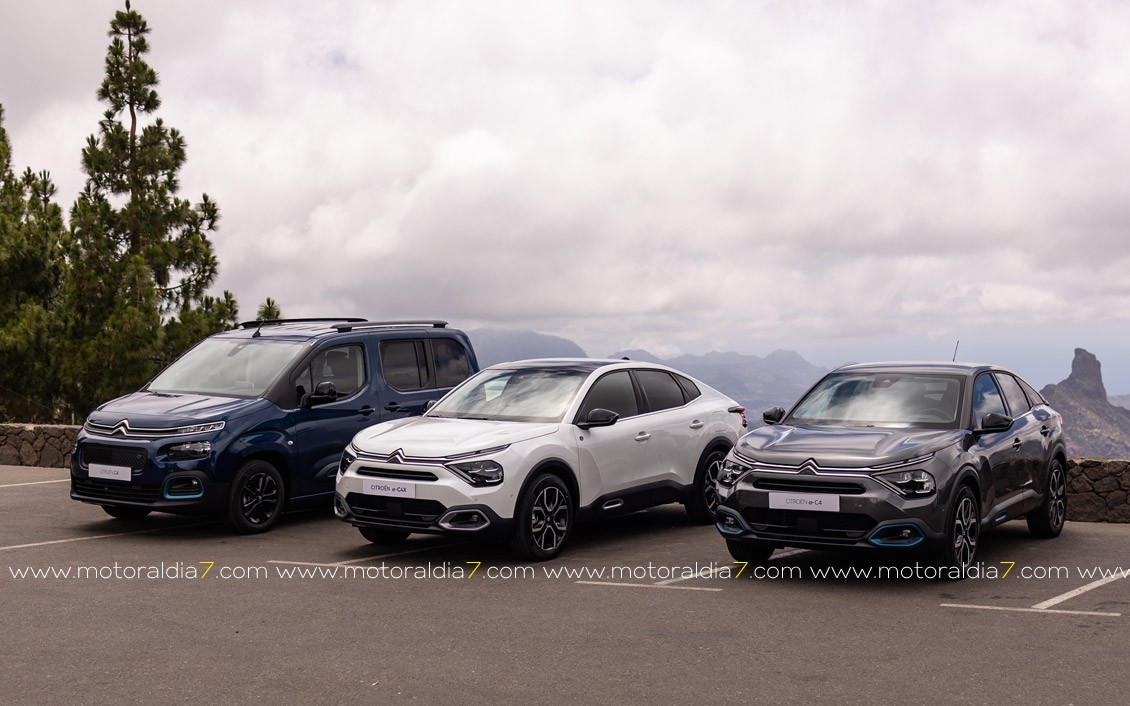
(272, 322)
(373, 324)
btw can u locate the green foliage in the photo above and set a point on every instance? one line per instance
(140, 256)
(269, 310)
(31, 234)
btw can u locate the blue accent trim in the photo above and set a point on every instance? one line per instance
(879, 542)
(729, 532)
(165, 491)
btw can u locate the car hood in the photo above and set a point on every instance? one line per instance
(436, 437)
(163, 410)
(842, 446)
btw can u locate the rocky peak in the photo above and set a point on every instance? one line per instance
(1086, 375)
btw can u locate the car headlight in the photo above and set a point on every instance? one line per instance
(200, 428)
(478, 472)
(347, 459)
(909, 483)
(190, 450)
(731, 471)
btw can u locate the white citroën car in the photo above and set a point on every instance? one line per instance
(525, 449)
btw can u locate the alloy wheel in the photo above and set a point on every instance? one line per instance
(259, 499)
(1057, 505)
(966, 531)
(709, 487)
(549, 518)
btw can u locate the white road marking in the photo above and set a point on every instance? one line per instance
(704, 574)
(95, 536)
(1079, 591)
(38, 482)
(369, 558)
(790, 552)
(648, 585)
(1030, 610)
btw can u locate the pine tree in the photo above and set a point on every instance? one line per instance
(31, 233)
(141, 257)
(269, 311)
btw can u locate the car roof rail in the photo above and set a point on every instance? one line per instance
(349, 326)
(274, 322)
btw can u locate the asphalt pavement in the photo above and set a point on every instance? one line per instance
(646, 607)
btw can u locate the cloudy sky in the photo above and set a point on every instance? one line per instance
(849, 180)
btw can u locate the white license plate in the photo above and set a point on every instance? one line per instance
(105, 472)
(804, 501)
(392, 489)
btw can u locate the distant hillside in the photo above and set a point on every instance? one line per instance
(494, 345)
(778, 379)
(1094, 427)
(1120, 400)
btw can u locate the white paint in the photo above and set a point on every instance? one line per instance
(1030, 610)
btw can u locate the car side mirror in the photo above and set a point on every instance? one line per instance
(773, 415)
(993, 422)
(429, 404)
(324, 392)
(599, 418)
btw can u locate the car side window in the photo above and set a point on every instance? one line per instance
(404, 365)
(660, 390)
(613, 392)
(1034, 398)
(452, 366)
(344, 366)
(986, 398)
(689, 388)
(1013, 394)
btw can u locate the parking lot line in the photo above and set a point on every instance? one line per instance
(1031, 610)
(369, 558)
(1079, 591)
(95, 536)
(648, 585)
(38, 482)
(704, 574)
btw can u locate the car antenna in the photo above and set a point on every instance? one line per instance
(954, 359)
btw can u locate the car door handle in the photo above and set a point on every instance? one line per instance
(1045, 430)
(697, 424)
(367, 410)
(392, 407)
(643, 436)
(1016, 444)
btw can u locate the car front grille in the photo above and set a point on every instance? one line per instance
(405, 512)
(132, 458)
(806, 523)
(111, 490)
(789, 485)
(397, 474)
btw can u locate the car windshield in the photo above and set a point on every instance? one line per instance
(228, 367)
(881, 399)
(515, 395)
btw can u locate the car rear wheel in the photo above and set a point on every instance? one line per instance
(256, 498)
(749, 552)
(703, 505)
(544, 519)
(1047, 520)
(962, 534)
(383, 536)
(123, 512)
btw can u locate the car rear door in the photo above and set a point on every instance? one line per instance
(417, 367)
(677, 427)
(1027, 440)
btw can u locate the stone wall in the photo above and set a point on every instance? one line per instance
(47, 445)
(1097, 490)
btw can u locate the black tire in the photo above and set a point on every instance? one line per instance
(377, 535)
(125, 512)
(256, 498)
(1047, 520)
(702, 506)
(543, 519)
(754, 553)
(963, 535)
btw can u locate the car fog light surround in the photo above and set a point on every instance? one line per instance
(731, 471)
(909, 483)
(190, 450)
(478, 473)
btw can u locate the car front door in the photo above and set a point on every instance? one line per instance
(995, 446)
(619, 454)
(325, 428)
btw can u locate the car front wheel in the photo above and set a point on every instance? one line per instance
(963, 534)
(543, 519)
(256, 498)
